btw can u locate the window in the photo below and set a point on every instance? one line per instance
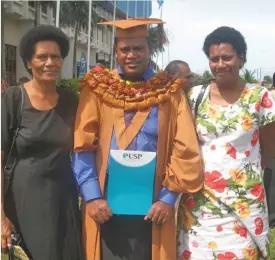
(84, 27)
(44, 7)
(10, 59)
(54, 11)
(31, 4)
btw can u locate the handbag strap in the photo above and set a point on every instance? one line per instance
(17, 127)
(199, 99)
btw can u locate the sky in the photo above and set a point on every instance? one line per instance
(190, 21)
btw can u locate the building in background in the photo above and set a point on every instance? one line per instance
(136, 8)
(18, 17)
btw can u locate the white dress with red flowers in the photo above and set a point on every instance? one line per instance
(228, 219)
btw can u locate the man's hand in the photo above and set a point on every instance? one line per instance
(99, 211)
(6, 228)
(159, 212)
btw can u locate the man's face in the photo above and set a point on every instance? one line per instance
(185, 75)
(133, 56)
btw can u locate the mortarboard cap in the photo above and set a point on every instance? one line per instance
(132, 28)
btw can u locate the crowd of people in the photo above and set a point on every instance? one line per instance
(211, 143)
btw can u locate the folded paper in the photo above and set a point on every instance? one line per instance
(131, 182)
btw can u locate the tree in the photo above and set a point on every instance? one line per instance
(248, 76)
(268, 79)
(3, 54)
(206, 77)
(154, 65)
(74, 14)
(157, 41)
(37, 6)
(197, 79)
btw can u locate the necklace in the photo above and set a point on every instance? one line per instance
(130, 95)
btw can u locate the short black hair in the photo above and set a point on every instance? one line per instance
(229, 35)
(173, 67)
(38, 34)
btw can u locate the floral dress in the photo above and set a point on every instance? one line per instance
(228, 220)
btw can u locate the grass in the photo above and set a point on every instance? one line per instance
(272, 246)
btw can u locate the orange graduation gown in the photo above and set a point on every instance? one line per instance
(179, 166)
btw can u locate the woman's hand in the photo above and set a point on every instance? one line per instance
(6, 228)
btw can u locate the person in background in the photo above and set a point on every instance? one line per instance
(132, 108)
(235, 123)
(41, 201)
(4, 86)
(181, 70)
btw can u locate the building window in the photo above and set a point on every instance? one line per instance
(31, 4)
(97, 33)
(84, 27)
(44, 8)
(10, 59)
(54, 11)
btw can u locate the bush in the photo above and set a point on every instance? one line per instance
(71, 84)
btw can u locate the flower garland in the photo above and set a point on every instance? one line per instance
(130, 95)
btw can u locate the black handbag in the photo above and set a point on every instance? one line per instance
(199, 99)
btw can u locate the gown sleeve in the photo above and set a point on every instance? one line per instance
(87, 122)
(184, 172)
(85, 144)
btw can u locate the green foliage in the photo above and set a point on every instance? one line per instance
(75, 14)
(197, 79)
(201, 79)
(71, 84)
(157, 39)
(268, 79)
(72, 12)
(154, 65)
(206, 76)
(248, 76)
(272, 243)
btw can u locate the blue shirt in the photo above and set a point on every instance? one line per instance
(146, 140)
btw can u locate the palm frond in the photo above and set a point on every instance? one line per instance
(157, 39)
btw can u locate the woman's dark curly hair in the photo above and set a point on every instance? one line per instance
(38, 34)
(229, 35)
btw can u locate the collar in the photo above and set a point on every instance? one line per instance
(148, 74)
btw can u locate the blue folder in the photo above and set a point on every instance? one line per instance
(131, 182)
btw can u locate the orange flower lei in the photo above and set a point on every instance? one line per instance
(130, 95)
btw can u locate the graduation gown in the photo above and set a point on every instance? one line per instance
(179, 166)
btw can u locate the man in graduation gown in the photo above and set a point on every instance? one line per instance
(131, 108)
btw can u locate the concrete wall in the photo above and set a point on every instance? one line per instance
(13, 31)
(19, 17)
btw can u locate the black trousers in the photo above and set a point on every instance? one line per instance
(126, 238)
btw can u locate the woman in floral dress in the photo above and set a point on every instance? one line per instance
(228, 219)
